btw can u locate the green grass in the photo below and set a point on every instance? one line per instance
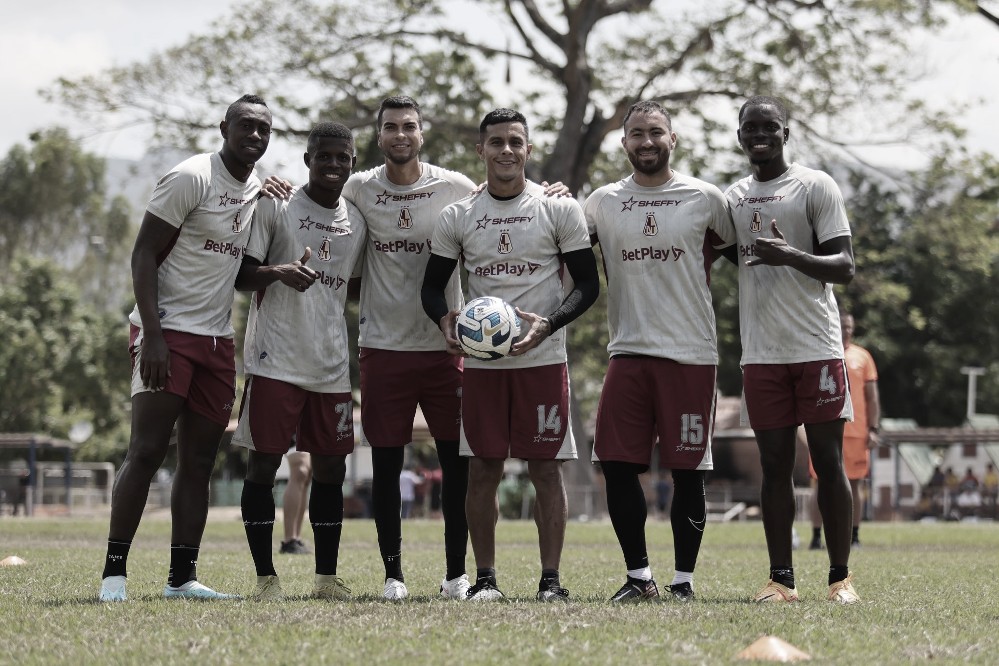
(929, 592)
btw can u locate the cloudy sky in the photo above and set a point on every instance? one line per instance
(62, 38)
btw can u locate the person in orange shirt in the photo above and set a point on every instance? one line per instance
(860, 435)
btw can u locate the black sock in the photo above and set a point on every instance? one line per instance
(838, 572)
(257, 508)
(116, 558)
(549, 579)
(816, 534)
(386, 505)
(627, 510)
(485, 574)
(454, 473)
(326, 516)
(183, 564)
(856, 533)
(688, 517)
(783, 575)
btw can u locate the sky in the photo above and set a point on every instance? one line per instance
(71, 39)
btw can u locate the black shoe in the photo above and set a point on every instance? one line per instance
(855, 543)
(636, 590)
(552, 591)
(294, 547)
(815, 545)
(484, 590)
(682, 592)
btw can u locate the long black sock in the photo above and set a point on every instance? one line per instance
(817, 534)
(183, 564)
(485, 574)
(257, 506)
(687, 517)
(116, 558)
(627, 510)
(837, 573)
(386, 505)
(326, 516)
(783, 575)
(856, 533)
(454, 473)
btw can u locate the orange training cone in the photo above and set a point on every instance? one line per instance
(771, 648)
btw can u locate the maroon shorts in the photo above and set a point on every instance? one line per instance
(789, 394)
(517, 413)
(202, 371)
(393, 383)
(644, 398)
(272, 411)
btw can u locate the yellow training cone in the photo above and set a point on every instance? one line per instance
(11, 561)
(771, 648)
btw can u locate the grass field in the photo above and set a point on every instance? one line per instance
(929, 592)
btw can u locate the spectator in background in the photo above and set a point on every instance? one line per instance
(990, 489)
(408, 481)
(296, 499)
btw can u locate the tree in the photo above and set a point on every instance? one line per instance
(53, 204)
(62, 361)
(588, 60)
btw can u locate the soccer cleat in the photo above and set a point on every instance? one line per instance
(855, 543)
(637, 590)
(843, 592)
(552, 592)
(456, 588)
(294, 547)
(268, 589)
(775, 592)
(395, 590)
(484, 590)
(112, 589)
(192, 589)
(682, 592)
(331, 587)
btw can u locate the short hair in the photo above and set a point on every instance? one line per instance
(245, 100)
(765, 100)
(647, 106)
(497, 116)
(399, 102)
(329, 131)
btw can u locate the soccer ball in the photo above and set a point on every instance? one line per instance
(487, 327)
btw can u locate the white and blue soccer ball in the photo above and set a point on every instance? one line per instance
(487, 328)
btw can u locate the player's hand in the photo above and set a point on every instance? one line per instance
(449, 327)
(297, 275)
(556, 189)
(873, 439)
(772, 251)
(154, 361)
(537, 332)
(276, 188)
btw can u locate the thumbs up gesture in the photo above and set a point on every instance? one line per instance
(296, 274)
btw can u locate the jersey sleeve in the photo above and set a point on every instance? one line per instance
(262, 230)
(179, 192)
(446, 241)
(591, 211)
(721, 218)
(826, 209)
(570, 227)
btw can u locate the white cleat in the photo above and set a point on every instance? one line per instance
(456, 588)
(395, 590)
(192, 589)
(112, 589)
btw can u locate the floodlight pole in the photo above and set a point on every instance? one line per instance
(973, 374)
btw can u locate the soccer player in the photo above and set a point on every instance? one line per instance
(184, 263)
(859, 435)
(514, 242)
(296, 354)
(794, 244)
(296, 499)
(653, 228)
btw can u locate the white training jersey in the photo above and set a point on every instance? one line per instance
(301, 337)
(653, 241)
(784, 315)
(401, 221)
(197, 273)
(512, 250)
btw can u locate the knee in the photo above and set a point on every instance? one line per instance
(262, 467)
(545, 474)
(688, 481)
(145, 454)
(330, 470)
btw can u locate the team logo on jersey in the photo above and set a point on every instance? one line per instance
(237, 224)
(324, 249)
(485, 220)
(756, 225)
(383, 197)
(650, 228)
(627, 205)
(505, 246)
(648, 203)
(225, 200)
(306, 223)
(405, 218)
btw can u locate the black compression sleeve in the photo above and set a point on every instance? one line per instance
(439, 270)
(582, 267)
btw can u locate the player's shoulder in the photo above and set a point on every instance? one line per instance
(810, 177)
(739, 187)
(609, 190)
(709, 190)
(197, 166)
(534, 191)
(447, 175)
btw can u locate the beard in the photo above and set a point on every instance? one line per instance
(649, 168)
